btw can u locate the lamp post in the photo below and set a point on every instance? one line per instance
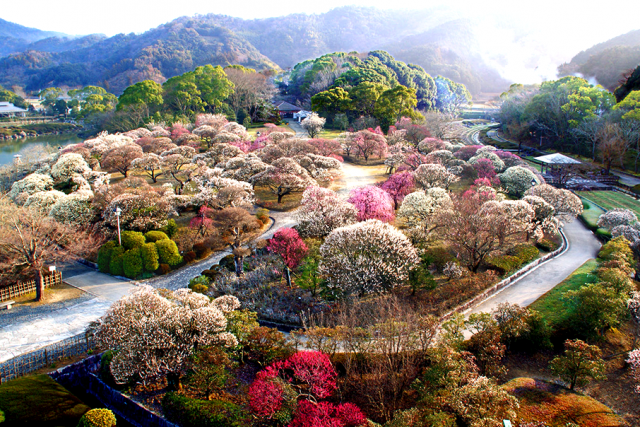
(533, 182)
(118, 211)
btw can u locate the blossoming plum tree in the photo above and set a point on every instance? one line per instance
(372, 203)
(321, 211)
(287, 243)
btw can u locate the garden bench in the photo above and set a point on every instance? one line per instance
(7, 304)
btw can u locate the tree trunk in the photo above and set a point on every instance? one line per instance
(39, 285)
(287, 274)
(280, 198)
(238, 262)
(173, 381)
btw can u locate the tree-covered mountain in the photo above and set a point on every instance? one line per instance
(608, 62)
(433, 38)
(16, 38)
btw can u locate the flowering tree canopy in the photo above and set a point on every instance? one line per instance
(31, 184)
(617, 217)
(69, 165)
(434, 175)
(287, 243)
(398, 186)
(321, 211)
(566, 205)
(372, 203)
(120, 158)
(313, 124)
(150, 163)
(516, 180)
(419, 207)
(285, 176)
(154, 333)
(366, 257)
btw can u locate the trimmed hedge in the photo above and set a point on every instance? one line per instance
(132, 263)
(168, 252)
(150, 258)
(115, 263)
(525, 253)
(155, 235)
(132, 239)
(104, 256)
(98, 418)
(171, 228)
(228, 262)
(202, 413)
(503, 264)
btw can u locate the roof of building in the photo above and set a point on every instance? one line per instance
(557, 159)
(7, 107)
(285, 106)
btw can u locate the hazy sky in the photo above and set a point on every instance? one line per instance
(534, 36)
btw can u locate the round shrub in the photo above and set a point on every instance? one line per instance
(189, 412)
(155, 235)
(104, 256)
(98, 418)
(503, 264)
(263, 215)
(168, 252)
(547, 245)
(132, 263)
(525, 253)
(171, 228)
(149, 254)
(228, 263)
(517, 180)
(132, 239)
(202, 250)
(115, 263)
(190, 256)
(164, 268)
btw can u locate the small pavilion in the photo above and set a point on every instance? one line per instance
(7, 109)
(555, 162)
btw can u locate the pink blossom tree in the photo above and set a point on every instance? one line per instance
(287, 243)
(203, 221)
(485, 169)
(372, 203)
(398, 186)
(322, 211)
(326, 147)
(370, 143)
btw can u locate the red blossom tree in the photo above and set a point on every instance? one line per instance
(203, 221)
(369, 143)
(398, 186)
(372, 203)
(485, 169)
(287, 243)
(325, 414)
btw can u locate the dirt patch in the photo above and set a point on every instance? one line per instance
(56, 293)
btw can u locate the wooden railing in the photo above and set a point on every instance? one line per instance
(22, 288)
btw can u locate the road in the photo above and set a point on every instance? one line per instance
(583, 246)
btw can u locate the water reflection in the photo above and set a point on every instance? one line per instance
(9, 148)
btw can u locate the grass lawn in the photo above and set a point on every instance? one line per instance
(39, 401)
(612, 200)
(557, 406)
(550, 304)
(330, 133)
(253, 131)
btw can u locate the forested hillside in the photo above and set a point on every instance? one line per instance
(431, 38)
(16, 38)
(607, 62)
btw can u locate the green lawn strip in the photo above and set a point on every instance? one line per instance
(551, 306)
(590, 215)
(39, 401)
(612, 200)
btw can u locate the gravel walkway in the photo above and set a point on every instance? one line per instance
(25, 313)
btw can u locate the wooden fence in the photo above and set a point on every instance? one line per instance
(22, 288)
(45, 356)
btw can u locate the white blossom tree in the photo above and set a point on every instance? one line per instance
(516, 180)
(367, 257)
(150, 164)
(566, 205)
(617, 217)
(322, 211)
(283, 177)
(434, 175)
(153, 333)
(544, 220)
(69, 165)
(418, 208)
(31, 184)
(42, 201)
(313, 124)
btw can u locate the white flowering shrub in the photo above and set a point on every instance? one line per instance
(138, 133)
(434, 175)
(140, 212)
(237, 130)
(320, 168)
(322, 211)
(219, 192)
(43, 201)
(313, 124)
(31, 184)
(153, 334)
(630, 233)
(366, 257)
(566, 205)
(498, 164)
(616, 217)
(104, 142)
(73, 209)
(418, 208)
(452, 270)
(226, 137)
(516, 180)
(544, 220)
(69, 165)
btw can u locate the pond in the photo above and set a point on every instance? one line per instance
(10, 148)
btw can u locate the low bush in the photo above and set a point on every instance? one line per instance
(104, 256)
(228, 263)
(132, 239)
(171, 228)
(617, 250)
(263, 215)
(212, 273)
(503, 264)
(115, 263)
(202, 250)
(525, 253)
(547, 245)
(168, 252)
(132, 264)
(155, 235)
(603, 234)
(150, 257)
(267, 345)
(190, 256)
(98, 418)
(636, 189)
(438, 256)
(202, 413)
(164, 268)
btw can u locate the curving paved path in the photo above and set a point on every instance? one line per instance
(583, 246)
